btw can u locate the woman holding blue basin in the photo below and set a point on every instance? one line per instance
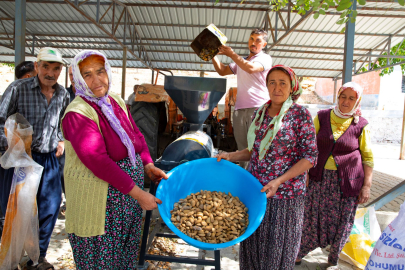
(281, 148)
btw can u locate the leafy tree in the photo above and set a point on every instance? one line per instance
(320, 7)
(398, 49)
(10, 65)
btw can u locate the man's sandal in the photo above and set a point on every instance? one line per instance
(43, 264)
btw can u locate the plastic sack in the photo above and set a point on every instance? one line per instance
(20, 232)
(363, 237)
(389, 251)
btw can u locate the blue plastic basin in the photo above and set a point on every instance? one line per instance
(208, 174)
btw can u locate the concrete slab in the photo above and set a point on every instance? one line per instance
(388, 172)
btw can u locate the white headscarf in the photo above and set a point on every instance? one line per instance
(356, 111)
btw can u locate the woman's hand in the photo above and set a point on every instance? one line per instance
(147, 201)
(223, 155)
(364, 195)
(154, 173)
(271, 188)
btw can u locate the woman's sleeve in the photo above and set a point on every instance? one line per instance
(144, 150)
(365, 147)
(90, 147)
(316, 124)
(307, 138)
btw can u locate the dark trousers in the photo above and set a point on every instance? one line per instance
(61, 161)
(48, 196)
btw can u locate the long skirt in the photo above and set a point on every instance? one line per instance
(328, 218)
(118, 248)
(274, 245)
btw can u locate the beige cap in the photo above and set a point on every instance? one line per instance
(50, 55)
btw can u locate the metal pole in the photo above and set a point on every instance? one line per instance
(335, 92)
(153, 75)
(276, 28)
(98, 11)
(389, 50)
(67, 75)
(33, 45)
(124, 70)
(289, 14)
(402, 152)
(349, 49)
(125, 25)
(19, 34)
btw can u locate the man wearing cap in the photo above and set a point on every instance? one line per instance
(42, 101)
(251, 73)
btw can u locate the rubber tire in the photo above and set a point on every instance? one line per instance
(146, 117)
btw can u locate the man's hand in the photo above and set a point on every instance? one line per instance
(60, 148)
(226, 50)
(154, 173)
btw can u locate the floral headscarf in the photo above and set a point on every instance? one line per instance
(356, 111)
(85, 92)
(277, 121)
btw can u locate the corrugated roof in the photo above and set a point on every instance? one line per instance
(165, 29)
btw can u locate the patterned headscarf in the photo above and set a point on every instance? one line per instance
(84, 91)
(356, 111)
(277, 121)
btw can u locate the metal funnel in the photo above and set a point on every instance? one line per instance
(196, 97)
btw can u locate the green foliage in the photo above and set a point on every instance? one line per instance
(320, 6)
(381, 62)
(10, 65)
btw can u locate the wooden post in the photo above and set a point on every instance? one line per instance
(402, 152)
(124, 70)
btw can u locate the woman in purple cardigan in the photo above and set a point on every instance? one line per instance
(342, 177)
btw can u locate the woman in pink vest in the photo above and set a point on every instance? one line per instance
(342, 177)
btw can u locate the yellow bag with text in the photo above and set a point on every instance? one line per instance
(362, 239)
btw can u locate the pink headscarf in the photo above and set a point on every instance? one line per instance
(356, 111)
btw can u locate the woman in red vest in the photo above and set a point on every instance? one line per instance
(342, 177)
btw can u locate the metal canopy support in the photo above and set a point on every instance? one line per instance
(19, 34)
(66, 76)
(290, 30)
(334, 92)
(33, 44)
(98, 12)
(136, 40)
(276, 30)
(349, 49)
(124, 71)
(389, 50)
(289, 14)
